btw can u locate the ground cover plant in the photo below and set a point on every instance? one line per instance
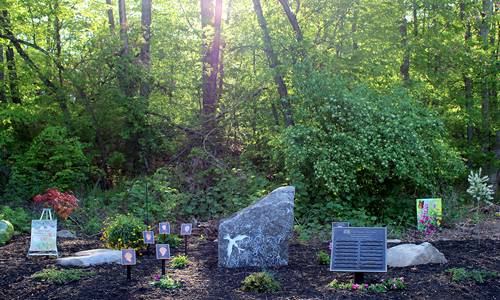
(382, 287)
(323, 258)
(260, 282)
(476, 275)
(179, 262)
(165, 282)
(61, 276)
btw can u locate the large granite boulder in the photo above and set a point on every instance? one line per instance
(6, 231)
(258, 235)
(411, 255)
(92, 257)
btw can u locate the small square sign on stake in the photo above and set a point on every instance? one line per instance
(163, 253)
(128, 259)
(359, 250)
(164, 228)
(186, 229)
(149, 237)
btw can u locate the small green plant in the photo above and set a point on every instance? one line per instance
(260, 282)
(172, 239)
(382, 287)
(179, 262)
(56, 276)
(323, 258)
(124, 231)
(166, 282)
(477, 275)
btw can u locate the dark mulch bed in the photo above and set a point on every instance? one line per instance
(301, 279)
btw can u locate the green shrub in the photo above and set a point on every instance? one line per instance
(477, 275)
(260, 282)
(166, 282)
(124, 231)
(179, 262)
(172, 239)
(53, 160)
(323, 258)
(18, 217)
(63, 276)
(355, 149)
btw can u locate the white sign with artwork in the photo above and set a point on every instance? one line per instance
(43, 237)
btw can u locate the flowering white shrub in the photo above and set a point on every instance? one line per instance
(479, 188)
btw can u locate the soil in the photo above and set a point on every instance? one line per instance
(303, 278)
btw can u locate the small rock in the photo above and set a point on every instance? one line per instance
(258, 235)
(92, 257)
(410, 255)
(6, 231)
(66, 234)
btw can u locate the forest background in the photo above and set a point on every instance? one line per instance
(181, 109)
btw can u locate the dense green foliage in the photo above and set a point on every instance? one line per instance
(363, 106)
(18, 217)
(123, 232)
(260, 282)
(53, 160)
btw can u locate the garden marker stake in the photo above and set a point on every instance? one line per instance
(163, 253)
(186, 229)
(128, 259)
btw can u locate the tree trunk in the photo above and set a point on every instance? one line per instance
(354, 26)
(273, 64)
(467, 78)
(494, 176)
(145, 55)
(123, 26)
(210, 61)
(11, 67)
(11, 60)
(293, 20)
(415, 18)
(3, 97)
(111, 18)
(485, 93)
(404, 69)
(220, 87)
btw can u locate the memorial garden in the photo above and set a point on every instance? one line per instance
(250, 149)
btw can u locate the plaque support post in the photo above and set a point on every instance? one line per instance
(186, 245)
(163, 272)
(129, 272)
(359, 277)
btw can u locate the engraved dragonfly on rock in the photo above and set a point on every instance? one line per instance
(232, 243)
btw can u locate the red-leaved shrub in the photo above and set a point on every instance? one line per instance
(62, 203)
